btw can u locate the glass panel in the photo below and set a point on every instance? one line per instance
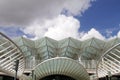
(28, 42)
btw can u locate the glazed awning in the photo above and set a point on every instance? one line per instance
(61, 66)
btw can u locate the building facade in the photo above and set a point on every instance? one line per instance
(67, 59)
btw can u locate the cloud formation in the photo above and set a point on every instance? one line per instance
(25, 12)
(93, 33)
(118, 35)
(115, 36)
(41, 18)
(57, 28)
(60, 28)
(44, 17)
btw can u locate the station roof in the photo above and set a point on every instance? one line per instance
(45, 48)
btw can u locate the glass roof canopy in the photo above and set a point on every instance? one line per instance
(46, 48)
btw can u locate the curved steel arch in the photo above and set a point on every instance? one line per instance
(109, 63)
(9, 52)
(61, 66)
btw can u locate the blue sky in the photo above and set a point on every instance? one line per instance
(102, 17)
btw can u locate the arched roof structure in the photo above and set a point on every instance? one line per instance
(46, 51)
(61, 66)
(9, 53)
(109, 63)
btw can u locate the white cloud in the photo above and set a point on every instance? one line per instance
(43, 17)
(93, 33)
(113, 30)
(115, 36)
(60, 28)
(109, 32)
(118, 34)
(57, 28)
(63, 27)
(25, 12)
